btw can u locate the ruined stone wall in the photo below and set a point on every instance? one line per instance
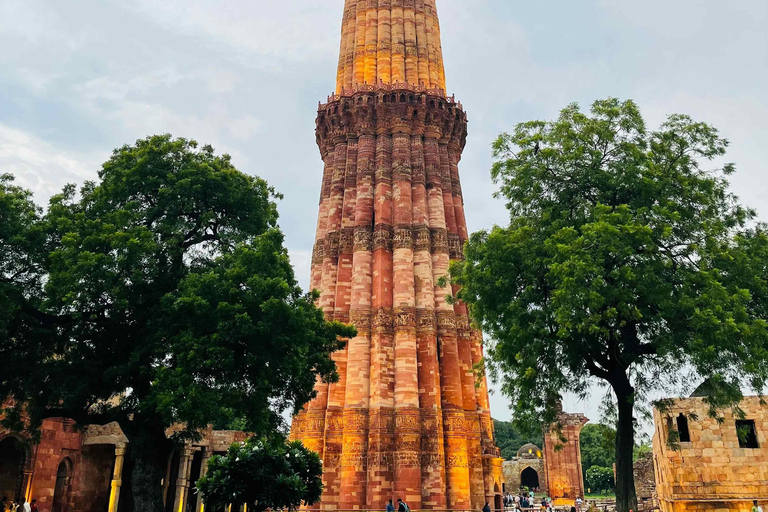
(711, 472)
(645, 481)
(562, 456)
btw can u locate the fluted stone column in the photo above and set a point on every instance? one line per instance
(182, 480)
(409, 417)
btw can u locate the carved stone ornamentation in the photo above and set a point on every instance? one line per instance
(403, 237)
(422, 238)
(347, 241)
(363, 241)
(361, 320)
(382, 321)
(439, 241)
(405, 319)
(382, 237)
(332, 245)
(455, 247)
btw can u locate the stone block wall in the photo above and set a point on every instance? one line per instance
(711, 471)
(514, 468)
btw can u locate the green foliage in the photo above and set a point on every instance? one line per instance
(161, 295)
(640, 451)
(509, 439)
(598, 446)
(21, 243)
(264, 473)
(625, 259)
(599, 479)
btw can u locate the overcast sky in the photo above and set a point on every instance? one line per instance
(80, 77)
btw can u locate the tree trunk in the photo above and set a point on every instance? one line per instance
(148, 450)
(626, 496)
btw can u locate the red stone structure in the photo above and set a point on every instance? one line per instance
(409, 417)
(562, 456)
(80, 469)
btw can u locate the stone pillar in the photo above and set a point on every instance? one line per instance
(182, 480)
(203, 470)
(117, 478)
(26, 483)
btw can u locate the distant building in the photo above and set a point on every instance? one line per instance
(554, 470)
(526, 469)
(718, 466)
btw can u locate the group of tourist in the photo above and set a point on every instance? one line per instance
(21, 506)
(525, 501)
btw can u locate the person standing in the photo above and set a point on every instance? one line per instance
(756, 507)
(487, 507)
(26, 506)
(390, 507)
(402, 506)
(34, 505)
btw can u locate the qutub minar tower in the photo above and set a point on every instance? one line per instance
(409, 416)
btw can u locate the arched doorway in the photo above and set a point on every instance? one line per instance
(13, 458)
(529, 478)
(61, 491)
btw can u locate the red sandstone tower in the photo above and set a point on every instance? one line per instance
(409, 417)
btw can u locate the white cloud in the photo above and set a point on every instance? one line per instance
(43, 167)
(274, 29)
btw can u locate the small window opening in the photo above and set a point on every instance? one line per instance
(747, 434)
(402, 98)
(432, 103)
(682, 428)
(386, 99)
(439, 351)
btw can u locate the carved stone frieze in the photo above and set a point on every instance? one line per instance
(422, 238)
(426, 320)
(439, 241)
(318, 253)
(462, 327)
(455, 247)
(332, 245)
(347, 241)
(446, 322)
(403, 238)
(382, 321)
(382, 237)
(363, 241)
(361, 320)
(405, 319)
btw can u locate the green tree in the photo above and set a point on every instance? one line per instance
(510, 439)
(20, 250)
(598, 446)
(599, 479)
(265, 473)
(625, 260)
(162, 295)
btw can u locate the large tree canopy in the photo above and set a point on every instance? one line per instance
(160, 295)
(626, 260)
